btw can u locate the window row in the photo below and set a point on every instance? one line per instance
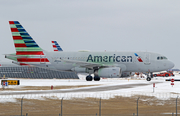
(161, 58)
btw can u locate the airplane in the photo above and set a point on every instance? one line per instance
(101, 64)
(56, 46)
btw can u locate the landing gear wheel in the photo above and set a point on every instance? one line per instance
(89, 78)
(148, 79)
(96, 78)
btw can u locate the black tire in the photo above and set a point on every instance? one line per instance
(155, 75)
(96, 78)
(89, 78)
(166, 75)
(148, 79)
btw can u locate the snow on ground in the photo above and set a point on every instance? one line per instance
(162, 90)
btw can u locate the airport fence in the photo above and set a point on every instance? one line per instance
(124, 104)
(40, 95)
(173, 114)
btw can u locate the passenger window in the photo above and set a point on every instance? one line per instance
(161, 58)
(157, 58)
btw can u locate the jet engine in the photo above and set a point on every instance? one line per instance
(110, 72)
(80, 70)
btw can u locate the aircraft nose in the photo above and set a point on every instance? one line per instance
(170, 64)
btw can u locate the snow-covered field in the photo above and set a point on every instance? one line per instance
(163, 89)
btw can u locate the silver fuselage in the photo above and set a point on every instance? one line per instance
(127, 61)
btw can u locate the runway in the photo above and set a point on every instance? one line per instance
(82, 89)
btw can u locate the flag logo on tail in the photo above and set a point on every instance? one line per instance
(56, 46)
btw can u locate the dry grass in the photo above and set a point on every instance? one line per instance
(148, 106)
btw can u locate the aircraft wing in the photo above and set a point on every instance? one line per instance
(82, 63)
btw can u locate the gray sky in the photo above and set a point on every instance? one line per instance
(96, 25)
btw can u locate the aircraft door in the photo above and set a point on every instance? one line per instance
(147, 59)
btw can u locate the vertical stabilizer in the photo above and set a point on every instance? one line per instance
(56, 46)
(25, 46)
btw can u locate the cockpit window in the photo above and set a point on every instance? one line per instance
(161, 58)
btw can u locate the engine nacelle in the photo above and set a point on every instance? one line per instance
(80, 70)
(110, 72)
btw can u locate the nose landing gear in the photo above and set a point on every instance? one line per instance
(149, 76)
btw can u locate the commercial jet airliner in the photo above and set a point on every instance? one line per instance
(101, 64)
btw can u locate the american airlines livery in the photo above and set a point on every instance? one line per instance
(56, 46)
(101, 64)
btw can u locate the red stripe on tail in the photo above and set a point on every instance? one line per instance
(23, 64)
(20, 45)
(11, 22)
(17, 37)
(33, 60)
(30, 53)
(14, 30)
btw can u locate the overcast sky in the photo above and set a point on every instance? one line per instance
(96, 25)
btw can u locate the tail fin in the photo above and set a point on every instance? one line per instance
(56, 46)
(25, 45)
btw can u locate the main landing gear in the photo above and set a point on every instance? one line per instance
(96, 78)
(90, 78)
